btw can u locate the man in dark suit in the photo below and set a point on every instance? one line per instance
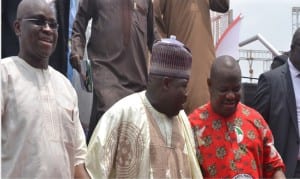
(279, 60)
(277, 99)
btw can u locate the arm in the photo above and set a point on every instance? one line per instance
(190, 144)
(279, 175)
(80, 172)
(219, 5)
(102, 147)
(78, 39)
(272, 163)
(159, 10)
(80, 147)
(262, 98)
(3, 90)
(153, 33)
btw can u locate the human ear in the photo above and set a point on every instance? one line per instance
(166, 83)
(292, 47)
(208, 81)
(17, 27)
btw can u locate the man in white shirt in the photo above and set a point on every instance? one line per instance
(147, 134)
(41, 135)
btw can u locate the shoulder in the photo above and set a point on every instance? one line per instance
(127, 106)
(275, 73)
(61, 81)
(201, 109)
(65, 93)
(251, 115)
(8, 61)
(57, 75)
(129, 101)
(7, 67)
(246, 110)
(200, 114)
(128, 111)
(10, 67)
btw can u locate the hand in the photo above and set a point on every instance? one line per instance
(75, 62)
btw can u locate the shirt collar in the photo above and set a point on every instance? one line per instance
(294, 71)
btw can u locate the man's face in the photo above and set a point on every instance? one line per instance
(295, 50)
(37, 32)
(177, 95)
(225, 92)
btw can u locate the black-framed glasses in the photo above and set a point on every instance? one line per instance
(43, 22)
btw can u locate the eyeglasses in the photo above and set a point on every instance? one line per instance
(43, 22)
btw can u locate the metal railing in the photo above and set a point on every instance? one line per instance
(253, 63)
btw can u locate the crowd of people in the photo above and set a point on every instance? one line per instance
(155, 112)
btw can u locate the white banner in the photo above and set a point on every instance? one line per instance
(228, 44)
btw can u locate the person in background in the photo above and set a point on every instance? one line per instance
(72, 15)
(279, 60)
(41, 135)
(190, 21)
(9, 41)
(233, 140)
(122, 34)
(146, 134)
(277, 99)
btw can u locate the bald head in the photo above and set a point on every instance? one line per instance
(25, 6)
(224, 65)
(36, 29)
(225, 85)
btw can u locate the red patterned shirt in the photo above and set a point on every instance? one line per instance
(238, 146)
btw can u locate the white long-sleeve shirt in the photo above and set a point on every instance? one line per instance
(41, 133)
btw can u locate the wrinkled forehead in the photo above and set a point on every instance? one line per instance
(227, 76)
(29, 8)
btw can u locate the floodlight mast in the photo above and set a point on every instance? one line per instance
(263, 41)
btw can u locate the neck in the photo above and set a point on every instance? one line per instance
(154, 101)
(35, 62)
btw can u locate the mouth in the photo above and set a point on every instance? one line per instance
(46, 42)
(229, 104)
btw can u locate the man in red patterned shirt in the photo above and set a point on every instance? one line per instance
(233, 140)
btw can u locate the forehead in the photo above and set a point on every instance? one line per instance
(38, 8)
(180, 80)
(226, 78)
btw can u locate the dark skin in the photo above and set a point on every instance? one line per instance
(75, 62)
(295, 49)
(38, 42)
(80, 172)
(224, 85)
(225, 89)
(167, 94)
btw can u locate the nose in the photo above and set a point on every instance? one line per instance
(47, 27)
(230, 95)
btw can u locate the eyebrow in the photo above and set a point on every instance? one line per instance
(39, 16)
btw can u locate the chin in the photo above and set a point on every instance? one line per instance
(173, 114)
